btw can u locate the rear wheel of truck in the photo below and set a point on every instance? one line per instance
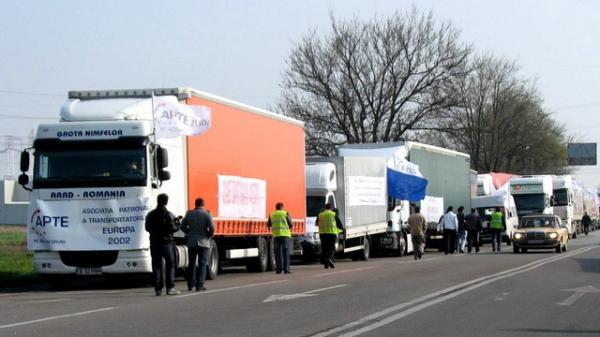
(213, 263)
(401, 250)
(259, 264)
(365, 253)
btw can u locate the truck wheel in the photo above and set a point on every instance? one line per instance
(515, 249)
(401, 250)
(259, 264)
(271, 264)
(213, 263)
(365, 253)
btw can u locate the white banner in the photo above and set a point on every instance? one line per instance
(366, 191)
(242, 197)
(432, 208)
(87, 224)
(173, 119)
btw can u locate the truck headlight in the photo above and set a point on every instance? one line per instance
(518, 236)
(552, 235)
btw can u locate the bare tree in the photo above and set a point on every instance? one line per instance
(371, 81)
(500, 122)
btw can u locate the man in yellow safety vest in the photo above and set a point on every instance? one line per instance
(281, 227)
(329, 226)
(497, 226)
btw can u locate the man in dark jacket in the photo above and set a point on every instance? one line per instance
(461, 237)
(473, 226)
(586, 221)
(161, 224)
(198, 225)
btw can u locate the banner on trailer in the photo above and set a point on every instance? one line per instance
(242, 197)
(432, 208)
(173, 119)
(88, 224)
(366, 191)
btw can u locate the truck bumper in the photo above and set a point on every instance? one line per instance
(138, 261)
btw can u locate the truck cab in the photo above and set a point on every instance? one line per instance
(486, 205)
(532, 194)
(564, 202)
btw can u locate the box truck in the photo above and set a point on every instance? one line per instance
(87, 211)
(356, 189)
(448, 177)
(532, 194)
(564, 203)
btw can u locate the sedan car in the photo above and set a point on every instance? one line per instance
(541, 231)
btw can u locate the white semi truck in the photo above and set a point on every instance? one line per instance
(532, 194)
(356, 188)
(565, 203)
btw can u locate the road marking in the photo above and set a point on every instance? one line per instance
(286, 297)
(47, 301)
(579, 292)
(437, 297)
(230, 288)
(344, 271)
(55, 317)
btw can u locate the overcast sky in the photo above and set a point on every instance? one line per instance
(238, 49)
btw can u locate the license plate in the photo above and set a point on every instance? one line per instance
(88, 271)
(535, 241)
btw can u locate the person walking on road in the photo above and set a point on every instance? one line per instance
(586, 221)
(449, 226)
(199, 227)
(329, 226)
(417, 226)
(473, 227)
(497, 226)
(462, 232)
(161, 224)
(281, 225)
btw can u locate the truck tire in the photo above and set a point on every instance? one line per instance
(259, 264)
(271, 264)
(365, 253)
(402, 246)
(213, 264)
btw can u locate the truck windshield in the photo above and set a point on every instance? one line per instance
(561, 197)
(90, 164)
(314, 205)
(530, 202)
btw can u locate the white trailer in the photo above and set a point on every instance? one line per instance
(532, 194)
(564, 203)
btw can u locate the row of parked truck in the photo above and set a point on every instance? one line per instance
(87, 209)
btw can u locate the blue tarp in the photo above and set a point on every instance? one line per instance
(405, 186)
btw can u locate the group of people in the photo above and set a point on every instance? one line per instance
(199, 227)
(459, 230)
(162, 224)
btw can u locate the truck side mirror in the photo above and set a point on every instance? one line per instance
(24, 161)
(23, 179)
(164, 175)
(162, 157)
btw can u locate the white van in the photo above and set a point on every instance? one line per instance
(486, 205)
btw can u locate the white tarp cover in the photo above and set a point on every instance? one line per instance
(242, 197)
(366, 191)
(432, 208)
(172, 119)
(88, 224)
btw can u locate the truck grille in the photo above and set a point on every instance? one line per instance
(536, 236)
(89, 259)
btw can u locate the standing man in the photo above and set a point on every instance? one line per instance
(199, 227)
(462, 232)
(586, 221)
(161, 224)
(329, 226)
(473, 226)
(281, 225)
(450, 226)
(497, 226)
(417, 225)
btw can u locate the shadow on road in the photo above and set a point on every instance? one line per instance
(561, 332)
(589, 265)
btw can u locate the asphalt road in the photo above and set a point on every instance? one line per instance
(485, 294)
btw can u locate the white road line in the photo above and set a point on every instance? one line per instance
(46, 301)
(55, 317)
(227, 289)
(572, 299)
(438, 297)
(344, 271)
(323, 289)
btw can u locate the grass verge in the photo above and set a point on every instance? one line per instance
(16, 267)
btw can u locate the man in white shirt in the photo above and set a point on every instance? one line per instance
(450, 228)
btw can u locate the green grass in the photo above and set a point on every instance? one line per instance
(15, 261)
